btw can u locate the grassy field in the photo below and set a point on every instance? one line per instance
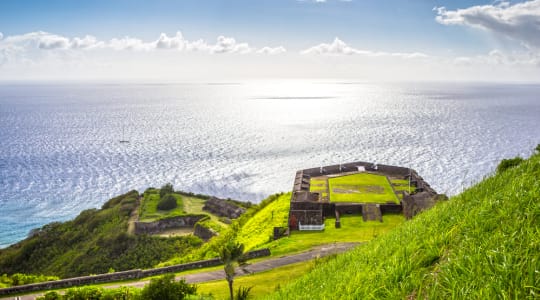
(353, 229)
(263, 283)
(361, 187)
(481, 244)
(320, 186)
(149, 212)
(194, 205)
(259, 229)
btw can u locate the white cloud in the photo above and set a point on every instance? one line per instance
(1, 35)
(272, 51)
(520, 21)
(338, 47)
(229, 45)
(176, 42)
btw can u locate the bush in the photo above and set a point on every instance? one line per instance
(164, 288)
(166, 189)
(506, 164)
(167, 202)
(537, 148)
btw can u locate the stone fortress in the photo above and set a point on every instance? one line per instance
(408, 193)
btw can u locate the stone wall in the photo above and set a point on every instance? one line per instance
(116, 276)
(169, 223)
(203, 232)
(223, 208)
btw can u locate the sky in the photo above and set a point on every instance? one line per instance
(183, 40)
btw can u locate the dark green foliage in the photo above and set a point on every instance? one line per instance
(167, 202)
(166, 189)
(506, 164)
(165, 288)
(537, 148)
(20, 279)
(93, 243)
(92, 292)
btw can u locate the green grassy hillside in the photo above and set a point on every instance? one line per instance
(482, 244)
(94, 242)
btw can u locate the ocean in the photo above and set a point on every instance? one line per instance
(60, 150)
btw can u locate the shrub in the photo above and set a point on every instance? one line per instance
(166, 189)
(506, 164)
(167, 202)
(537, 148)
(164, 288)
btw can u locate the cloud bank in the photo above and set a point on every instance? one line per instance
(520, 21)
(48, 41)
(338, 47)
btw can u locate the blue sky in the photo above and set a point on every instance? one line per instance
(386, 27)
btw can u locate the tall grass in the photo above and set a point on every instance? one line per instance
(482, 244)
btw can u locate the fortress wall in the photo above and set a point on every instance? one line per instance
(116, 276)
(164, 224)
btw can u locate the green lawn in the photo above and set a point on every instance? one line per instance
(402, 185)
(259, 229)
(353, 229)
(319, 185)
(361, 188)
(263, 283)
(148, 211)
(194, 205)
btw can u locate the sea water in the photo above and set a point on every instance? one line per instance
(60, 150)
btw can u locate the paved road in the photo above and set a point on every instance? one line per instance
(257, 267)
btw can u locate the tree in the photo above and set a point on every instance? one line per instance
(167, 202)
(537, 148)
(165, 288)
(166, 189)
(231, 254)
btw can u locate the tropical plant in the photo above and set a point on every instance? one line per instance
(231, 254)
(242, 293)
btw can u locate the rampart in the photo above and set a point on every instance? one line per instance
(118, 276)
(168, 223)
(223, 208)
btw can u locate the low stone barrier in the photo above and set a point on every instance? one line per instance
(117, 276)
(168, 223)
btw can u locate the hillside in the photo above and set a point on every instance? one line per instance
(94, 242)
(482, 244)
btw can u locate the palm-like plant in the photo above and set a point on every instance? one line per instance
(231, 254)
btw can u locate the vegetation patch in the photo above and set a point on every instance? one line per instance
(361, 188)
(149, 210)
(95, 242)
(353, 229)
(262, 283)
(259, 229)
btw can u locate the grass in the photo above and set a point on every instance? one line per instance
(319, 185)
(193, 205)
(263, 283)
(362, 188)
(402, 185)
(259, 229)
(481, 244)
(149, 211)
(353, 229)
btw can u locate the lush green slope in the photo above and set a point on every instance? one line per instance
(259, 229)
(94, 242)
(482, 244)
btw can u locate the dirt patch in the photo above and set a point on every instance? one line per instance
(176, 232)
